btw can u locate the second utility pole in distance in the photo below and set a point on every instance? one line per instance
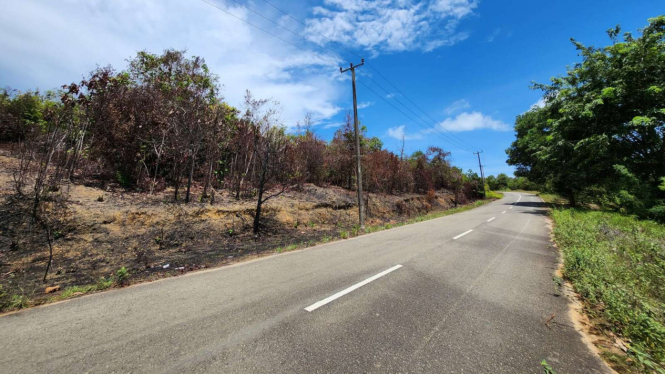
(482, 174)
(359, 173)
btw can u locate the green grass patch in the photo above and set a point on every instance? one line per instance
(553, 199)
(494, 195)
(617, 265)
(288, 248)
(102, 284)
(19, 302)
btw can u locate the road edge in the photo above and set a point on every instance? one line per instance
(580, 320)
(246, 261)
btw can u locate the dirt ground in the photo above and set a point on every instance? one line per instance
(106, 229)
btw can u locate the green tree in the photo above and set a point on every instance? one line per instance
(602, 128)
(502, 181)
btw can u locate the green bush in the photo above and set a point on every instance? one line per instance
(657, 212)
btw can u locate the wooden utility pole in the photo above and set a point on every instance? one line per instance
(359, 173)
(482, 174)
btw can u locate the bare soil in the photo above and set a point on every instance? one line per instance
(105, 229)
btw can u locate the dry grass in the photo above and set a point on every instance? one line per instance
(153, 238)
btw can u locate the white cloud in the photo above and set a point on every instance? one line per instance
(455, 8)
(464, 121)
(494, 35)
(365, 104)
(399, 133)
(501, 32)
(456, 107)
(391, 25)
(539, 104)
(46, 44)
(473, 121)
(332, 125)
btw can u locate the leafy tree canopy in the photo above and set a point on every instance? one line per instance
(600, 133)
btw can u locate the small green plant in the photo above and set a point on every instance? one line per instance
(547, 368)
(646, 361)
(122, 178)
(371, 229)
(19, 302)
(325, 239)
(3, 298)
(122, 276)
(557, 280)
(70, 291)
(344, 234)
(104, 283)
(310, 224)
(287, 248)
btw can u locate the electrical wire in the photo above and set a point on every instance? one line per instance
(368, 64)
(435, 128)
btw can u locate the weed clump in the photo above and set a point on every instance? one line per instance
(122, 276)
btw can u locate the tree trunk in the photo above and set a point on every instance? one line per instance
(259, 201)
(50, 250)
(571, 199)
(176, 185)
(154, 179)
(208, 179)
(191, 174)
(242, 179)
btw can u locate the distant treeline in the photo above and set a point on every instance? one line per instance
(162, 123)
(600, 136)
(503, 182)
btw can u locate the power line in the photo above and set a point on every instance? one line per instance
(414, 104)
(268, 32)
(310, 28)
(399, 110)
(285, 28)
(435, 128)
(371, 66)
(436, 125)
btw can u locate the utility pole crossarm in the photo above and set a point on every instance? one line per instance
(352, 67)
(359, 173)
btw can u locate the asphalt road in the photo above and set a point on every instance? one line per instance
(474, 304)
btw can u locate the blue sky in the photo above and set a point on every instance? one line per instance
(467, 64)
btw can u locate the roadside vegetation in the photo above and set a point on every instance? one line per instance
(20, 290)
(616, 264)
(145, 172)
